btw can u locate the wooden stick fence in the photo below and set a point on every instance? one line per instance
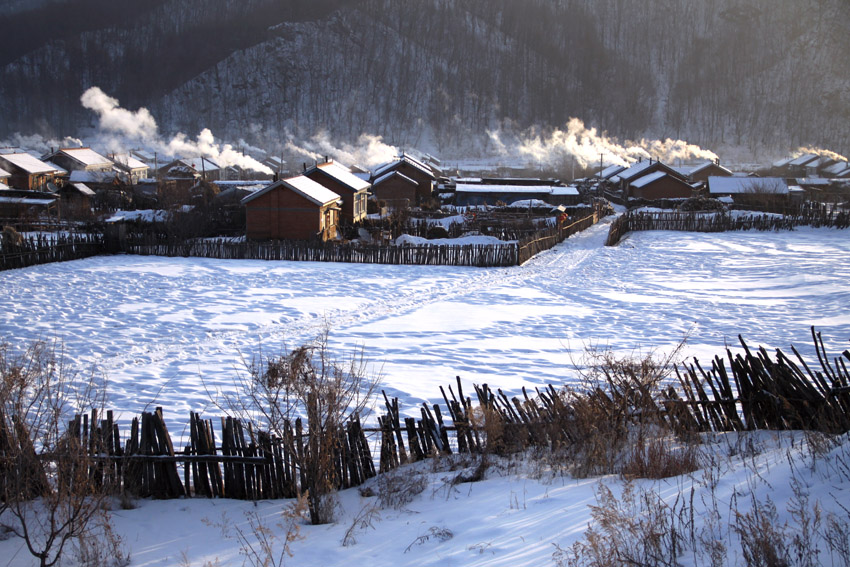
(545, 239)
(43, 249)
(720, 222)
(753, 391)
(299, 251)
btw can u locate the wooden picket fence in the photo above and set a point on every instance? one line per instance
(43, 249)
(720, 222)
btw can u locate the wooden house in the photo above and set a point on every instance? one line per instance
(700, 173)
(191, 168)
(396, 189)
(79, 159)
(659, 185)
(26, 171)
(297, 208)
(413, 169)
(353, 190)
(4, 177)
(797, 166)
(625, 178)
(134, 169)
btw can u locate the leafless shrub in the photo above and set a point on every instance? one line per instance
(434, 533)
(660, 457)
(807, 519)
(764, 542)
(638, 528)
(363, 520)
(101, 546)
(259, 544)
(837, 537)
(398, 488)
(307, 382)
(615, 408)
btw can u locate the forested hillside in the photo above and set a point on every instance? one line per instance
(763, 74)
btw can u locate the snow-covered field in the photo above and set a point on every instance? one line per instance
(170, 331)
(173, 332)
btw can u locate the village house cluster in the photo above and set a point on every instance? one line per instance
(79, 184)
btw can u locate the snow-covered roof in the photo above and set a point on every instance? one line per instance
(837, 167)
(783, 162)
(564, 191)
(392, 174)
(28, 163)
(342, 175)
(812, 181)
(86, 156)
(194, 164)
(405, 159)
(3, 186)
(647, 179)
(127, 161)
(302, 185)
(610, 171)
(803, 160)
(56, 169)
(635, 169)
(487, 188)
(84, 189)
(697, 168)
(80, 176)
(739, 185)
(4, 173)
(821, 162)
(144, 155)
(16, 199)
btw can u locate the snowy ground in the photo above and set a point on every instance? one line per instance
(172, 331)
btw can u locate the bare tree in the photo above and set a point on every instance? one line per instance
(49, 496)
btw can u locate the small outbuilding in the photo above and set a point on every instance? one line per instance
(296, 208)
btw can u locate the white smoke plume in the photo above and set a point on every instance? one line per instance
(587, 147)
(368, 151)
(39, 144)
(136, 125)
(124, 129)
(819, 151)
